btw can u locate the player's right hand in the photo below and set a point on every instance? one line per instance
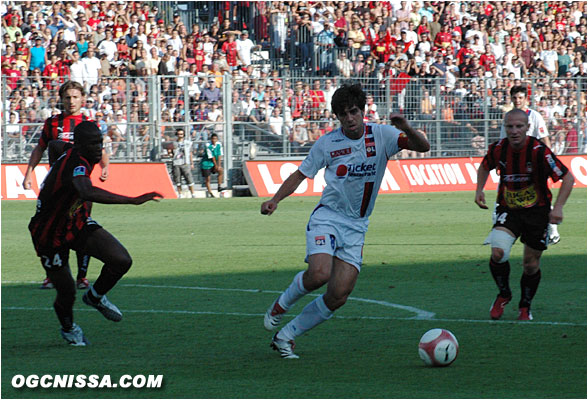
(268, 207)
(147, 197)
(27, 182)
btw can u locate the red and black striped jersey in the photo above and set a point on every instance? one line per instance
(61, 213)
(60, 127)
(524, 173)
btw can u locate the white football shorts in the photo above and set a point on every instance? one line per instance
(331, 233)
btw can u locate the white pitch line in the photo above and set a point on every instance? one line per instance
(186, 312)
(421, 314)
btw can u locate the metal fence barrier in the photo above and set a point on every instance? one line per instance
(278, 114)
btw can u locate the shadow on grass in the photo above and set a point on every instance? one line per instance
(204, 334)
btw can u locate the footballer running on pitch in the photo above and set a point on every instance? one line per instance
(524, 206)
(62, 222)
(355, 157)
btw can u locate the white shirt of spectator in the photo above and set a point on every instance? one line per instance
(349, 169)
(176, 43)
(276, 124)
(91, 68)
(244, 49)
(69, 33)
(474, 32)
(143, 38)
(412, 36)
(208, 49)
(549, 58)
(329, 96)
(497, 50)
(424, 47)
(107, 47)
(121, 123)
(537, 126)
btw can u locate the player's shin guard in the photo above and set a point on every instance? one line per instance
(500, 273)
(313, 314)
(110, 275)
(83, 262)
(293, 293)
(529, 285)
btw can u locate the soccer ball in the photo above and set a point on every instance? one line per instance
(438, 348)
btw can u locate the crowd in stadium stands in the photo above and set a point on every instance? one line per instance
(458, 42)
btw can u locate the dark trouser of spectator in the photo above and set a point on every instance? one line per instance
(306, 54)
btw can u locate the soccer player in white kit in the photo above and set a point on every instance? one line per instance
(354, 157)
(537, 129)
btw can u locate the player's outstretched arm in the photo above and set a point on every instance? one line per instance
(416, 141)
(287, 188)
(480, 198)
(88, 192)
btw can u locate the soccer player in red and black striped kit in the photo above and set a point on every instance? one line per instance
(58, 130)
(524, 206)
(62, 222)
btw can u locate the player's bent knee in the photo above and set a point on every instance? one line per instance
(319, 276)
(125, 264)
(501, 243)
(497, 255)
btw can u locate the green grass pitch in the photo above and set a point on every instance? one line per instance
(205, 271)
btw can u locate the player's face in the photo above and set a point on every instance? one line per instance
(91, 149)
(519, 100)
(516, 127)
(351, 120)
(72, 101)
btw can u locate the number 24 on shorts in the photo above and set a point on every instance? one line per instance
(56, 262)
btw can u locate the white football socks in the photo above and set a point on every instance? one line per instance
(294, 292)
(313, 314)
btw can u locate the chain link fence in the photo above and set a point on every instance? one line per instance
(275, 115)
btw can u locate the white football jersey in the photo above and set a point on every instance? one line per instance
(537, 126)
(353, 168)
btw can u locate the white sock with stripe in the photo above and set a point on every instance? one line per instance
(294, 292)
(313, 314)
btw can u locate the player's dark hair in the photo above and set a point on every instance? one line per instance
(71, 85)
(85, 131)
(518, 89)
(214, 135)
(348, 95)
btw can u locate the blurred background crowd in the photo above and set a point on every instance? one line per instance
(448, 65)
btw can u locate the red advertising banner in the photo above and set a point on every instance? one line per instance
(401, 176)
(129, 179)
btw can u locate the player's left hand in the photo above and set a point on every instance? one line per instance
(399, 121)
(480, 200)
(556, 215)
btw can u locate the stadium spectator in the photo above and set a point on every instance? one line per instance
(182, 162)
(211, 163)
(525, 215)
(334, 256)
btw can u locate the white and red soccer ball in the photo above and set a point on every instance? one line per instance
(438, 348)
